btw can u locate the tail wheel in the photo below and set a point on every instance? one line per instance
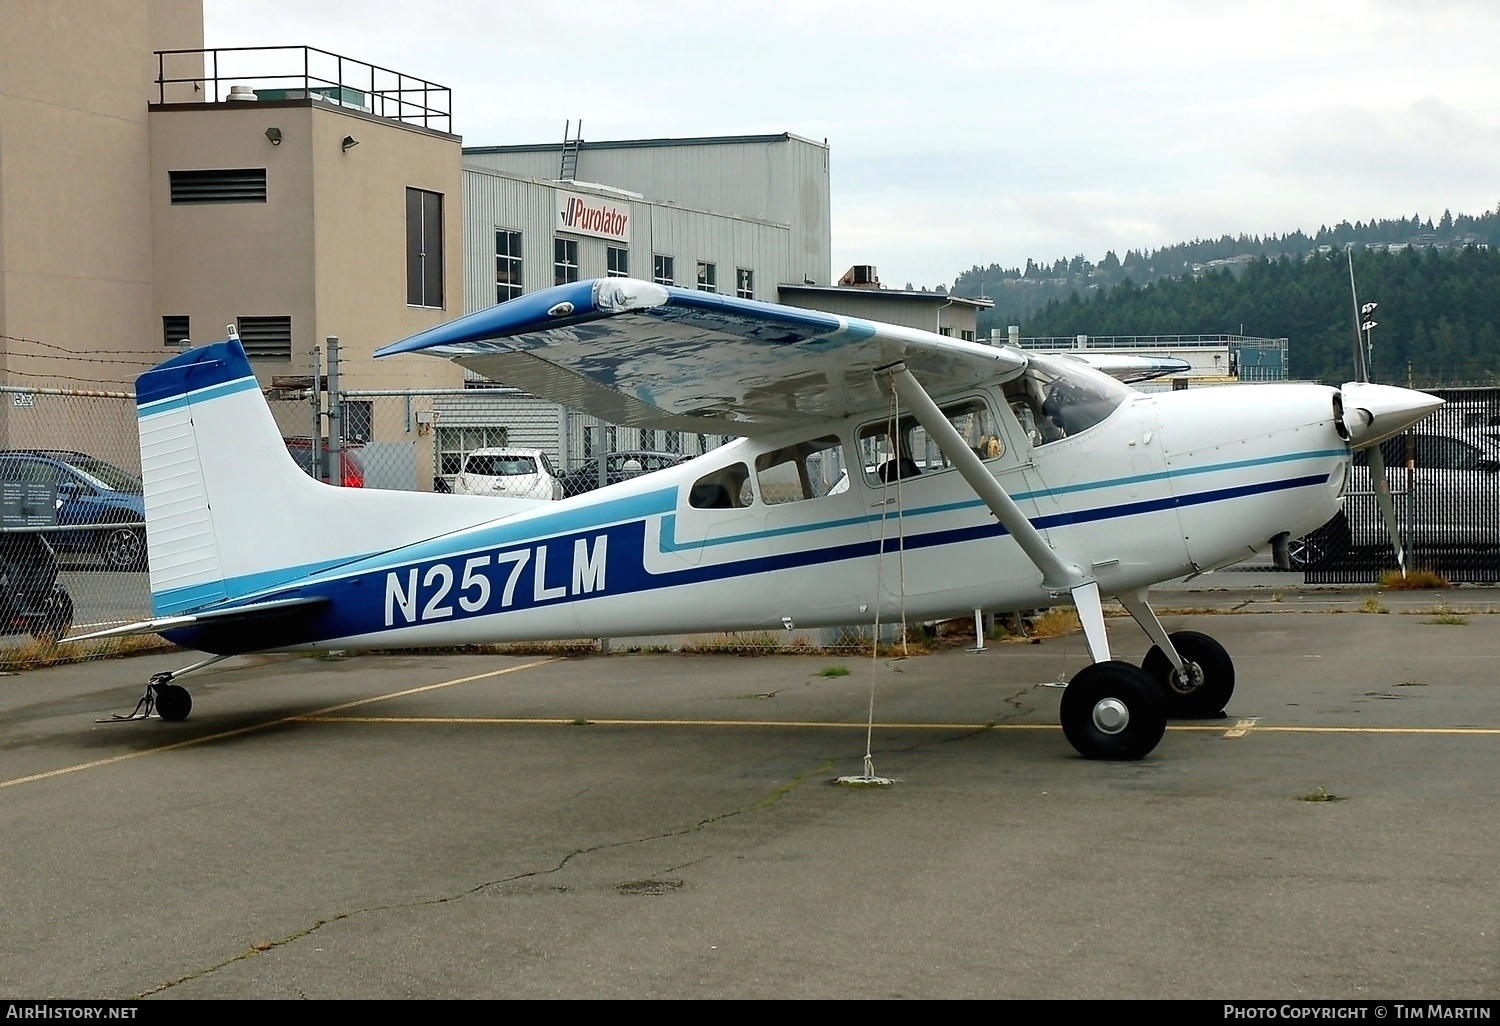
(1205, 689)
(173, 703)
(1113, 710)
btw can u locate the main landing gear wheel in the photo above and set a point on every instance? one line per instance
(173, 703)
(1205, 690)
(1113, 710)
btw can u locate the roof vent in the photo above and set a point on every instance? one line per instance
(861, 276)
(242, 92)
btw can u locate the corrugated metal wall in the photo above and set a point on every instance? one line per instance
(781, 179)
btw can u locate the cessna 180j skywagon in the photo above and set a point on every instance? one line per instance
(1008, 480)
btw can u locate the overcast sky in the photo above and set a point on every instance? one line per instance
(964, 133)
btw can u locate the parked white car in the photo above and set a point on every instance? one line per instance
(508, 473)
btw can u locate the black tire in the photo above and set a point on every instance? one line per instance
(123, 548)
(1321, 547)
(56, 617)
(1212, 683)
(173, 703)
(1116, 690)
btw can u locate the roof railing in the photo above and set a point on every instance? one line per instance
(248, 73)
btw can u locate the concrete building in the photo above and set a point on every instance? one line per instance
(860, 294)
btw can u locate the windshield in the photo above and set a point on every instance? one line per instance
(1058, 397)
(500, 466)
(107, 474)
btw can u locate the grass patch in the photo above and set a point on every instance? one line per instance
(1415, 580)
(836, 670)
(1056, 622)
(1321, 795)
(737, 642)
(36, 654)
(1412, 684)
(1448, 619)
(1372, 605)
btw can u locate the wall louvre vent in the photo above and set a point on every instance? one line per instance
(219, 185)
(266, 337)
(174, 329)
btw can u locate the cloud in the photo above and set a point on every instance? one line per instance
(1003, 130)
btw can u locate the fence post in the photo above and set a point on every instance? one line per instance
(599, 450)
(335, 415)
(317, 413)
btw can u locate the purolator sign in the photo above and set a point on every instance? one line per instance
(592, 215)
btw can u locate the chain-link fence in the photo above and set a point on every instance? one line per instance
(1444, 476)
(72, 517)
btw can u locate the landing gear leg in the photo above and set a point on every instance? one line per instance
(1194, 672)
(169, 701)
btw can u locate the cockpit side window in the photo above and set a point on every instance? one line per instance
(725, 488)
(807, 470)
(910, 451)
(1057, 398)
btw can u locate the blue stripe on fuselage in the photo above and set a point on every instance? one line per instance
(387, 597)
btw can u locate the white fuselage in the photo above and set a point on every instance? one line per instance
(1165, 485)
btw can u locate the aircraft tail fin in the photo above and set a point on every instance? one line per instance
(230, 514)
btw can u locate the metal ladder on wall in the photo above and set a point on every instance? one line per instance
(569, 170)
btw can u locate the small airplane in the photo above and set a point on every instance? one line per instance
(1004, 480)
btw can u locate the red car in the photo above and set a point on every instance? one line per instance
(301, 450)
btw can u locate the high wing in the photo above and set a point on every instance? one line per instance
(1129, 369)
(647, 355)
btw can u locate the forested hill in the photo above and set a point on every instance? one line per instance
(1019, 292)
(1439, 310)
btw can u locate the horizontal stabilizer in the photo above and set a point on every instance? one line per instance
(214, 617)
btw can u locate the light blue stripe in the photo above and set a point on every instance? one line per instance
(201, 395)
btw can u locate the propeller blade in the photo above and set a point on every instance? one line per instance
(1387, 506)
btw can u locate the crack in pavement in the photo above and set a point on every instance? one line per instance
(767, 802)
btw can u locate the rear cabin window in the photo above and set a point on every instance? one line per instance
(726, 488)
(500, 466)
(911, 452)
(1058, 397)
(807, 470)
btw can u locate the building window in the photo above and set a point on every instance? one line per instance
(618, 262)
(744, 283)
(662, 270)
(945, 331)
(266, 337)
(708, 277)
(174, 329)
(507, 265)
(219, 185)
(966, 334)
(424, 248)
(564, 261)
(454, 443)
(359, 419)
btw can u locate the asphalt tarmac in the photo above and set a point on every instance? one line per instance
(663, 825)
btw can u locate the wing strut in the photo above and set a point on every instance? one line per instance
(1057, 576)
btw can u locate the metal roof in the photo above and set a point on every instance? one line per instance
(625, 144)
(930, 297)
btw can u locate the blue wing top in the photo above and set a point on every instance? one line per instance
(648, 355)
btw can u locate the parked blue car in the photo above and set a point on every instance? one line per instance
(91, 493)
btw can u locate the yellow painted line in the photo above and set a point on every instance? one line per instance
(548, 721)
(269, 723)
(1239, 730)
